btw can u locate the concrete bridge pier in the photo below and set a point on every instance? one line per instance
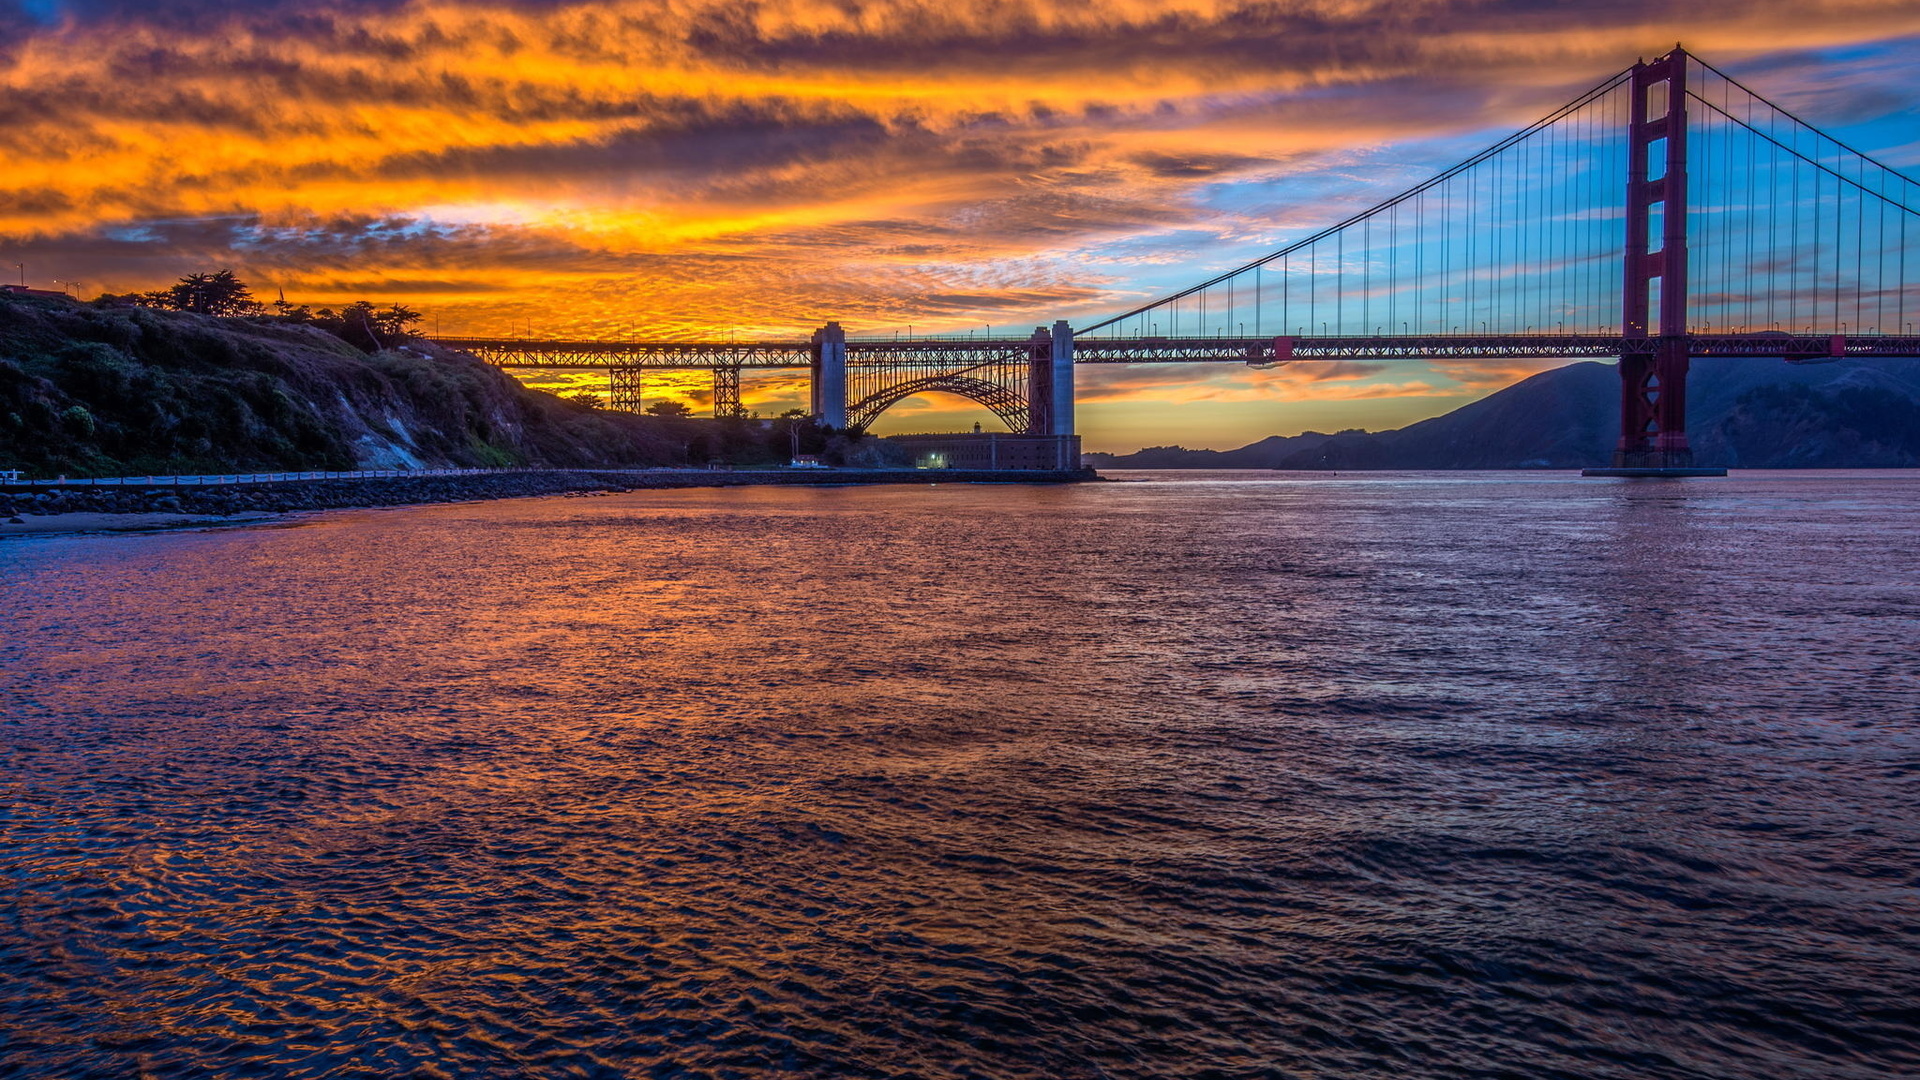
(1050, 380)
(1061, 414)
(1040, 382)
(830, 376)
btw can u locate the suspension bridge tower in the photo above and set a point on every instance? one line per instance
(1655, 354)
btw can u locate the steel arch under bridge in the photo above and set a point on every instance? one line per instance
(1000, 379)
(1027, 383)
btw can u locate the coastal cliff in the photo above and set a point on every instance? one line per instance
(98, 391)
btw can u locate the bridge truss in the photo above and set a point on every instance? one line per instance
(1007, 375)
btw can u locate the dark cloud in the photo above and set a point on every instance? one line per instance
(685, 138)
(922, 36)
(1196, 166)
(187, 15)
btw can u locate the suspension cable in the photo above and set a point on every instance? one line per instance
(1558, 114)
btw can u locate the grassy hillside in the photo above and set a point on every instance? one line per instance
(87, 391)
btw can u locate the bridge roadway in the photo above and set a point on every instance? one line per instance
(799, 352)
(1028, 382)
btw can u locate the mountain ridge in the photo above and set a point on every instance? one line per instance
(1742, 412)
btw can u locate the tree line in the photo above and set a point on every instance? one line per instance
(223, 295)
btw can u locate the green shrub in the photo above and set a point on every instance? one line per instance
(79, 421)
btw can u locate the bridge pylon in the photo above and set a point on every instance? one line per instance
(829, 371)
(1050, 380)
(1040, 382)
(627, 386)
(1061, 412)
(1653, 384)
(726, 392)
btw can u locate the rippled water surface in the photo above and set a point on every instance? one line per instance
(1251, 775)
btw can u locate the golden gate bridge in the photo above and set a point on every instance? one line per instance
(1669, 212)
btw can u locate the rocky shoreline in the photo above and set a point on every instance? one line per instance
(167, 506)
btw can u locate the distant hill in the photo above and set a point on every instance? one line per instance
(1260, 455)
(1741, 412)
(90, 391)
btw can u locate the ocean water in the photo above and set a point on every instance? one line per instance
(1187, 775)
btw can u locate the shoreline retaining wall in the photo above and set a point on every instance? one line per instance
(315, 494)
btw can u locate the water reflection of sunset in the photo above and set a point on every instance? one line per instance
(1210, 774)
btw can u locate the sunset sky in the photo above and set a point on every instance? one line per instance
(695, 167)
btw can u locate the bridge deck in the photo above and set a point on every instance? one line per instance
(529, 353)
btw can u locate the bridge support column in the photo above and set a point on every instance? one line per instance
(1062, 410)
(1653, 409)
(726, 392)
(830, 376)
(1653, 385)
(1040, 382)
(625, 386)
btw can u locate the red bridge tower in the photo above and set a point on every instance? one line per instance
(1653, 376)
